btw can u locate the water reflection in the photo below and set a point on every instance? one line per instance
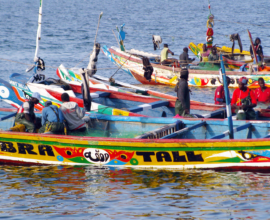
(127, 193)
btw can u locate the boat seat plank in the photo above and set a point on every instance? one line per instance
(226, 133)
(147, 106)
(8, 116)
(215, 113)
(161, 132)
(184, 130)
(95, 95)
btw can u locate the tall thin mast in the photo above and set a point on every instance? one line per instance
(38, 32)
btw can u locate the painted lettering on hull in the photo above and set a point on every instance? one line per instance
(164, 156)
(23, 148)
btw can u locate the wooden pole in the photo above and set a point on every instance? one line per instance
(227, 97)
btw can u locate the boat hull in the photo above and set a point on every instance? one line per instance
(29, 149)
(163, 75)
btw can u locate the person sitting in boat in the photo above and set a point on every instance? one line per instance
(205, 54)
(52, 119)
(244, 100)
(258, 51)
(264, 68)
(184, 59)
(72, 114)
(263, 93)
(213, 56)
(26, 116)
(220, 94)
(182, 104)
(164, 56)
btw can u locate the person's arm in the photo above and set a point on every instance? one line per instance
(61, 116)
(172, 53)
(181, 94)
(43, 117)
(251, 51)
(176, 87)
(80, 112)
(253, 101)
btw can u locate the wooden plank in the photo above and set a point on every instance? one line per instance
(226, 133)
(152, 105)
(184, 130)
(8, 116)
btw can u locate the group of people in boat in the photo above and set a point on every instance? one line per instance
(243, 99)
(210, 55)
(54, 120)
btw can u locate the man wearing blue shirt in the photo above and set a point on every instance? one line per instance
(52, 119)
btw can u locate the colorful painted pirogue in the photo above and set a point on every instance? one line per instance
(131, 63)
(127, 142)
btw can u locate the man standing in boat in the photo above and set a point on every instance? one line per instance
(164, 56)
(182, 104)
(184, 59)
(26, 115)
(258, 50)
(244, 100)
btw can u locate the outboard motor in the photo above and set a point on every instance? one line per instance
(157, 40)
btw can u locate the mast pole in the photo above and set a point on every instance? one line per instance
(227, 97)
(38, 32)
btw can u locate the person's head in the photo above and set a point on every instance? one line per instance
(228, 80)
(65, 97)
(257, 40)
(261, 82)
(35, 98)
(204, 47)
(185, 49)
(165, 45)
(184, 74)
(214, 50)
(243, 83)
(48, 103)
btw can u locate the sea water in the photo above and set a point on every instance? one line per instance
(67, 36)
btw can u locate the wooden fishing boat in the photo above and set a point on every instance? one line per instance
(199, 75)
(207, 110)
(143, 143)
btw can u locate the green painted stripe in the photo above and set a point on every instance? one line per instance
(94, 144)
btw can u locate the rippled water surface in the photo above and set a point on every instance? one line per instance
(68, 32)
(84, 192)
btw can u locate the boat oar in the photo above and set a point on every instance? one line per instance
(227, 97)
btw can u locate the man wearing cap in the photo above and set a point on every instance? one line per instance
(52, 119)
(164, 56)
(184, 59)
(182, 104)
(26, 116)
(244, 100)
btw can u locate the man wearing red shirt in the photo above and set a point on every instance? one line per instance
(244, 100)
(220, 94)
(263, 93)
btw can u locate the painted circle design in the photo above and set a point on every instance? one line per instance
(134, 161)
(60, 158)
(4, 93)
